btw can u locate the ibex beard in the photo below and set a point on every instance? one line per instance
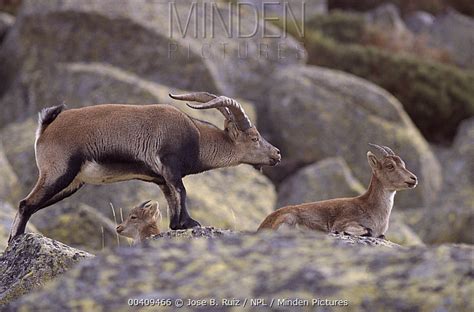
(153, 143)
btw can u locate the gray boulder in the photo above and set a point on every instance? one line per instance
(400, 232)
(314, 113)
(143, 38)
(453, 32)
(419, 22)
(84, 84)
(387, 17)
(31, 261)
(326, 179)
(275, 265)
(451, 218)
(10, 189)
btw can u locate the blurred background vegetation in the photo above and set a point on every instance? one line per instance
(435, 93)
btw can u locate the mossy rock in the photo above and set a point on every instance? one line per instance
(270, 265)
(31, 261)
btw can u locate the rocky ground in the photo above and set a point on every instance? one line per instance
(369, 273)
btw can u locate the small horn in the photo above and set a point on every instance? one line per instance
(379, 148)
(202, 97)
(241, 119)
(143, 205)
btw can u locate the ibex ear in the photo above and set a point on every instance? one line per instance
(153, 209)
(373, 161)
(232, 130)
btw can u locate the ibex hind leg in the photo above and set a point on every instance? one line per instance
(285, 222)
(48, 190)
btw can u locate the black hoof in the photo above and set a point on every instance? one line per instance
(174, 226)
(189, 224)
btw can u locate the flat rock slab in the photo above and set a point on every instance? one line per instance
(32, 260)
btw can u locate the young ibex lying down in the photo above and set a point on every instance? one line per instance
(141, 223)
(365, 215)
(153, 143)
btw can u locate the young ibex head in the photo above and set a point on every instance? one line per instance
(141, 222)
(251, 147)
(390, 170)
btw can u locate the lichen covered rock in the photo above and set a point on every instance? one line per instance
(31, 261)
(400, 232)
(326, 179)
(451, 218)
(271, 265)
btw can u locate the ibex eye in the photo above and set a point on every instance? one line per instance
(255, 139)
(133, 217)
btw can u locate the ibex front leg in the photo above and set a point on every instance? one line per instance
(175, 194)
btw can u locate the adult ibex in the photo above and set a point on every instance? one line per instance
(365, 215)
(153, 143)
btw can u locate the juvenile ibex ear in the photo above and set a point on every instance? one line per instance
(154, 209)
(373, 161)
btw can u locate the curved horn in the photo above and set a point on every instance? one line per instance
(202, 97)
(389, 150)
(143, 205)
(379, 148)
(241, 119)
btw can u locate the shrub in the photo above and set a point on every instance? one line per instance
(406, 6)
(436, 96)
(347, 27)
